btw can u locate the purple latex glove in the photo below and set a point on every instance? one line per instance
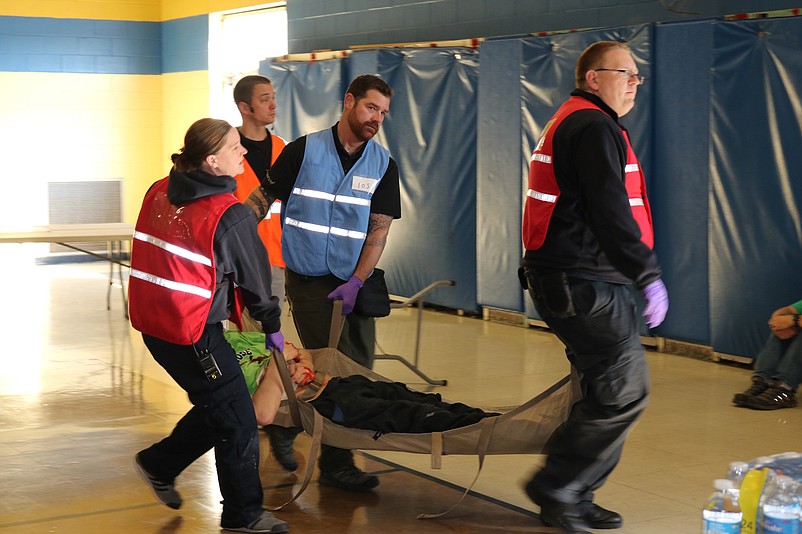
(656, 303)
(275, 341)
(347, 293)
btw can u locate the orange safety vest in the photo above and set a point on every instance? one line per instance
(543, 192)
(270, 227)
(173, 276)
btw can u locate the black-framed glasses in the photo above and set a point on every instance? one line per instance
(628, 74)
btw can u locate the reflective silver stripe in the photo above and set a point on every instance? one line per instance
(537, 195)
(353, 234)
(352, 200)
(171, 284)
(275, 207)
(636, 202)
(173, 249)
(342, 232)
(313, 193)
(631, 167)
(307, 226)
(542, 158)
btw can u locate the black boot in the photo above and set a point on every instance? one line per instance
(281, 440)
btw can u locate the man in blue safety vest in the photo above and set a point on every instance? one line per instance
(340, 191)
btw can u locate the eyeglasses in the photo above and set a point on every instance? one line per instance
(627, 73)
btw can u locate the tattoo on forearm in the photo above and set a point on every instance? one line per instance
(258, 202)
(378, 227)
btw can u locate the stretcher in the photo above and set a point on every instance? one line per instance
(524, 429)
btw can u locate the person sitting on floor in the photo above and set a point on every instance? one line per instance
(353, 401)
(778, 366)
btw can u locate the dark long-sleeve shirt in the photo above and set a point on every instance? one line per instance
(592, 233)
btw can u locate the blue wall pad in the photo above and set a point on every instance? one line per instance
(499, 176)
(431, 133)
(756, 185)
(308, 95)
(678, 190)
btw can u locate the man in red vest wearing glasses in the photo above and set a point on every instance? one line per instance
(587, 231)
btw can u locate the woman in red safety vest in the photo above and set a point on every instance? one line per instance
(193, 243)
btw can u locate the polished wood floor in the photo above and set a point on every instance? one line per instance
(79, 395)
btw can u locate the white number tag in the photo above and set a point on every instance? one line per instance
(364, 184)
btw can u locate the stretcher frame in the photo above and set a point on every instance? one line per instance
(417, 298)
(485, 437)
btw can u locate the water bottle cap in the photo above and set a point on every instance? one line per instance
(737, 471)
(722, 484)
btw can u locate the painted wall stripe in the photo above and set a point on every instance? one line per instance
(60, 45)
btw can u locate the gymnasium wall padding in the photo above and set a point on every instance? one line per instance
(755, 178)
(716, 127)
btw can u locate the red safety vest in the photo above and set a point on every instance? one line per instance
(543, 191)
(173, 277)
(270, 227)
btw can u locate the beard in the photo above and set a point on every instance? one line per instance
(363, 131)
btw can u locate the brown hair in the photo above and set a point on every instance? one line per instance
(204, 137)
(360, 86)
(243, 91)
(591, 58)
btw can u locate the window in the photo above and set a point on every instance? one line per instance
(238, 41)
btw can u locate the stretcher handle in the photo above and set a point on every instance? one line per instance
(289, 390)
(337, 323)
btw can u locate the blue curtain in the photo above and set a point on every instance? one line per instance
(755, 178)
(431, 133)
(308, 95)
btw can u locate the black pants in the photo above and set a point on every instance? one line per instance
(222, 417)
(598, 324)
(311, 312)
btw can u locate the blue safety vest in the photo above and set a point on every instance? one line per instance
(327, 213)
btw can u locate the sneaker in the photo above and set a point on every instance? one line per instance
(349, 478)
(774, 398)
(165, 493)
(759, 385)
(266, 522)
(281, 441)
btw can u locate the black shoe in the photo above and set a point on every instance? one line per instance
(566, 517)
(601, 518)
(349, 478)
(759, 385)
(165, 493)
(266, 522)
(569, 518)
(281, 440)
(774, 398)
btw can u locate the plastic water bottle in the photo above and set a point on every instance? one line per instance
(722, 514)
(737, 472)
(781, 508)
